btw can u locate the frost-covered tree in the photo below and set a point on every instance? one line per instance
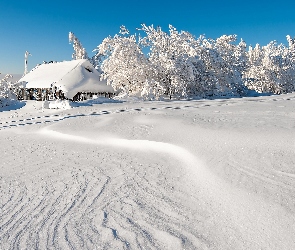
(125, 66)
(225, 61)
(6, 92)
(79, 50)
(271, 68)
(174, 59)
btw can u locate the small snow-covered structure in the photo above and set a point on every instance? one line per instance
(63, 80)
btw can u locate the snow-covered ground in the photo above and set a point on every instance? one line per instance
(207, 174)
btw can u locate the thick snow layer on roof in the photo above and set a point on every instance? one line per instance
(69, 76)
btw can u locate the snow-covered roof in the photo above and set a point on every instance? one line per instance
(69, 76)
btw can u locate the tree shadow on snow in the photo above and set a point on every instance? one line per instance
(250, 93)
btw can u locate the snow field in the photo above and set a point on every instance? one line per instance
(181, 175)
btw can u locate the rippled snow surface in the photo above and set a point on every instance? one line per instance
(208, 174)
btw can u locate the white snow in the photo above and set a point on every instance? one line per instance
(57, 104)
(205, 174)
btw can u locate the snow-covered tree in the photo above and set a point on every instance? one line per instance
(79, 50)
(271, 68)
(125, 66)
(6, 92)
(225, 62)
(174, 59)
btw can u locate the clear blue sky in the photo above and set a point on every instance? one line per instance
(42, 27)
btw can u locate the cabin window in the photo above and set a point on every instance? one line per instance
(88, 69)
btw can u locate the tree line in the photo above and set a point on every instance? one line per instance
(155, 63)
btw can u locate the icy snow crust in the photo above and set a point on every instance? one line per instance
(69, 76)
(155, 175)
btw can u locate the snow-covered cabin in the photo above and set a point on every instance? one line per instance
(63, 80)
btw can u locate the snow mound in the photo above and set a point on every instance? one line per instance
(58, 104)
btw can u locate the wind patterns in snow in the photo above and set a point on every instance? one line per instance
(207, 174)
(99, 199)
